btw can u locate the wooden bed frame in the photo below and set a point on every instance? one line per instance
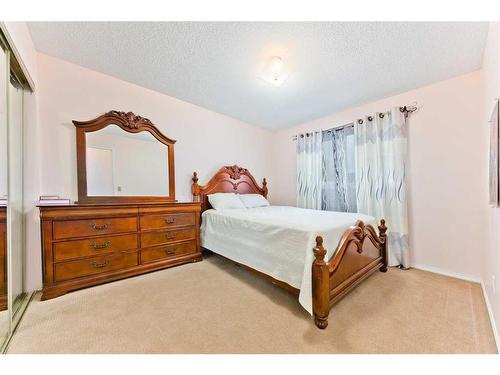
(360, 251)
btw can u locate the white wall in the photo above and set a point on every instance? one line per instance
(206, 140)
(447, 184)
(491, 253)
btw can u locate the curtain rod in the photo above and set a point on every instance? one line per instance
(407, 109)
(336, 128)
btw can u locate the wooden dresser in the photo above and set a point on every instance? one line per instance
(84, 245)
(3, 258)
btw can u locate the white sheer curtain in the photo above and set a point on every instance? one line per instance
(309, 170)
(381, 162)
(339, 181)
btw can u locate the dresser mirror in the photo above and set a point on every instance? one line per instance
(122, 157)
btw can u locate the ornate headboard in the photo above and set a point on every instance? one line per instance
(230, 179)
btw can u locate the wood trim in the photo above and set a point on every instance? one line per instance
(131, 123)
(360, 253)
(354, 280)
(3, 302)
(228, 179)
(47, 252)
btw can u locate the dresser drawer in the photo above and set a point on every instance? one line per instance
(91, 266)
(91, 227)
(167, 220)
(94, 246)
(163, 237)
(154, 254)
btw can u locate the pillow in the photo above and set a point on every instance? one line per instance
(221, 201)
(253, 200)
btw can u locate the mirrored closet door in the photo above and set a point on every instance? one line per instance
(13, 293)
(4, 313)
(15, 202)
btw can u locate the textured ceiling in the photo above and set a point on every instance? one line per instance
(216, 65)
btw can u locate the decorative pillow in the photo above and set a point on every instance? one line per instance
(253, 200)
(221, 201)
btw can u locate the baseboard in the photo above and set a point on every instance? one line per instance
(492, 317)
(423, 267)
(475, 279)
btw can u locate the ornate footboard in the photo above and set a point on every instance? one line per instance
(359, 253)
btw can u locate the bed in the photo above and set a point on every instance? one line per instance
(318, 255)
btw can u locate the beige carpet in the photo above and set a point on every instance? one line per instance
(216, 307)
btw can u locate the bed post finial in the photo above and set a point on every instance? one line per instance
(195, 188)
(319, 250)
(320, 285)
(264, 186)
(382, 229)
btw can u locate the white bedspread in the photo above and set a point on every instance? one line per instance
(276, 240)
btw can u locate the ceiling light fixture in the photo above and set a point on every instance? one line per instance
(274, 71)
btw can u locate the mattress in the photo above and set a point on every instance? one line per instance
(276, 240)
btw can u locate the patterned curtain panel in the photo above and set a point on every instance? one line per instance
(339, 174)
(381, 160)
(309, 170)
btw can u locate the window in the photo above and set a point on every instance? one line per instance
(339, 177)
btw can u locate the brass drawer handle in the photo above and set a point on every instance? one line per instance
(170, 236)
(104, 245)
(99, 227)
(99, 265)
(169, 220)
(170, 251)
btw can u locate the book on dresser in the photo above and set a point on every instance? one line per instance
(52, 199)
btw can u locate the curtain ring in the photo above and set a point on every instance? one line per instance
(360, 121)
(370, 118)
(381, 115)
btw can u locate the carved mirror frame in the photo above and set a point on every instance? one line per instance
(130, 123)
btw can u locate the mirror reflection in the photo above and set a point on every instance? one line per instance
(120, 163)
(16, 197)
(4, 314)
